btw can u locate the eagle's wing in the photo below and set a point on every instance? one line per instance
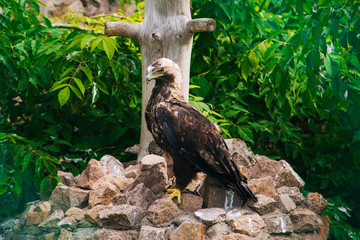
(197, 139)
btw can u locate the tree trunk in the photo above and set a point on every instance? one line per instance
(167, 31)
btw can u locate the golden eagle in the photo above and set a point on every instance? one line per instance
(187, 135)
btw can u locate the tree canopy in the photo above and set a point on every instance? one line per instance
(282, 75)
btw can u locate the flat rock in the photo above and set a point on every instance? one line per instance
(152, 233)
(210, 216)
(238, 212)
(83, 234)
(293, 192)
(162, 210)
(153, 173)
(67, 222)
(264, 205)
(304, 220)
(188, 231)
(217, 230)
(264, 167)
(234, 236)
(190, 202)
(278, 223)
(92, 215)
(288, 177)
(106, 234)
(75, 212)
(65, 234)
(93, 172)
(121, 216)
(64, 197)
(316, 202)
(241, 155)
(251, 225)
(140, 196)
(53, 220)
(263, 186)
(67, 178)
(285, 203)
(113, 166)
(105, 192)
(132, 171)
(38, 213)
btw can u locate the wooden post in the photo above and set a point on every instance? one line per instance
(167, 31)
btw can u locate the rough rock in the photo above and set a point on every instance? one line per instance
(293, 192)
(38, 213)
(67, 178)
(210, 216)
(217, 230)
(162, 210)
(132, 171)
(277, 223)
(188, 231)
(215, 195)
(311, 236)
(251, 225)
(49, 236)
(316, 202)
(53, 220)
(93, 172)
(105, 192)
(122, 183)
(241, 155)
(121, 216)
(235, 236)
(285, 203)
(304, 220)
(67, 222)
(264, 167)
(84, 234)
(152, 233)
(238, 212)
(105, 234)
(77, 213)
(288, 177)
(197, 182)
(64, 197)
(190, 202)
(113, 166)
(264, 186)
(65, 234)
(264, 205)
(140, 196)
(153, 173)
(92, 215)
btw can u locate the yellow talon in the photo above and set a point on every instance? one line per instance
(175, 192)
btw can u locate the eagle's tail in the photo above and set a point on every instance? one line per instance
(243, 190)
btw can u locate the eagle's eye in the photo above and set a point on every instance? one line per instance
(161, 70)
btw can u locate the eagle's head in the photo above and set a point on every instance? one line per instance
(163, 70)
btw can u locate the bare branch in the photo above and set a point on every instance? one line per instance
(125, 29)
(201, 25)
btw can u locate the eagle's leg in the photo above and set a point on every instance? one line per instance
(175, 192)
(184, 172)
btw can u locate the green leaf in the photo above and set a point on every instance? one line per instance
(254, 59)
(50, 167)
(86, 39)
(44, 184)
(76, 91)
(46, 21)
(80, 85)
(96, 43)
(64, 96)
(109, 47)
(245, 69)
(54, 88)
(102, 86)
(87, 72)
(26, 161)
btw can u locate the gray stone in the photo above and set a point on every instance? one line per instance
(152, 233)
(263, 186)
(293, 192)
(217, 230)
(93, 172)
(241, 155)
(188, 230)
(316, 202)
(67, 222)
(67, 178)
(121, 216)
(140, 196)
(64, 197)
(53, 220)
(84, 234)
(106, 234)
(210, 216)
(264, 205)
(113, 166)
(251, 225)
(162, 210)
(238, 212)
(285, 203)
(278, 223)
(304, 220)
(288, 177)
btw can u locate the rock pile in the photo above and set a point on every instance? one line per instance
(111, 201)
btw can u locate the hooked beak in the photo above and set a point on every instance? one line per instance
(148, 78)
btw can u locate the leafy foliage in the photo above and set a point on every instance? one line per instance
(284, 76)
(65, 92)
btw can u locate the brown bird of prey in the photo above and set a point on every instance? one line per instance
(191, 139)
